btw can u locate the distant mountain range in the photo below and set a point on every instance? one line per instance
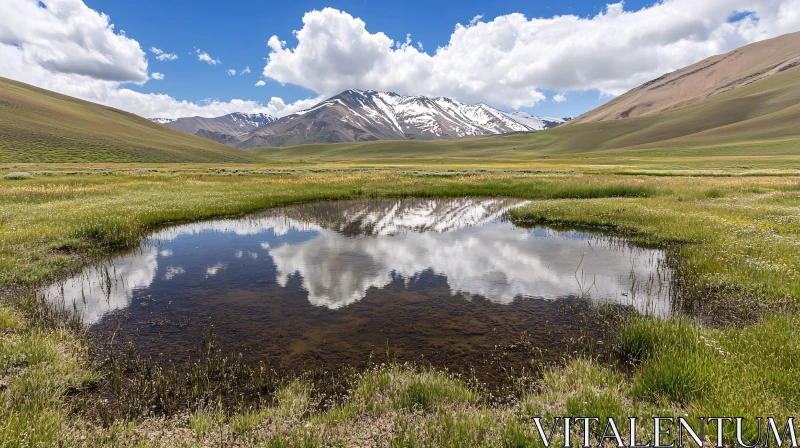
(226, 129)
(356, 115)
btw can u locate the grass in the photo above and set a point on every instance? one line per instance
(37, 125)
(732, 240)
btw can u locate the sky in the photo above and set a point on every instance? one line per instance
(174, 58)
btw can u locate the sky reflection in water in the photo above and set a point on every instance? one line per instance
(339, 250)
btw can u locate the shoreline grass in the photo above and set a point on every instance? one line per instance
(734, 240)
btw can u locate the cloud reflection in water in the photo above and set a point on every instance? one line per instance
(342, 249)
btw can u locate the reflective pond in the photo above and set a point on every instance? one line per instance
(447, 282)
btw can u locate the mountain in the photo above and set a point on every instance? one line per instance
(226, 129)
(37, 125)
(356, 115)
(536, 123)
(705, 79)
(752, 116)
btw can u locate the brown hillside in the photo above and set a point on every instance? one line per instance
(704, 79)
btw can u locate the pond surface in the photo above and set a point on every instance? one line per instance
(446, 282)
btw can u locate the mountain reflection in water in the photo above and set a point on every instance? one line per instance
(332, 256)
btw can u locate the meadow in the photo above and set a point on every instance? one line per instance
(730, 226)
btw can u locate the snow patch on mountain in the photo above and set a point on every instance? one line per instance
(423, 117)
(533, 122)
(251, 120)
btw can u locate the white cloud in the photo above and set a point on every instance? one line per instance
(203, 56)
(246, 70)
(68, 37)
(559, 98)
(157, 76)
(475, 19)
(280, 109)
(261, 83)
(231, 72)
(72, 49)
(506, 61)
(161, 55)
(164, 106)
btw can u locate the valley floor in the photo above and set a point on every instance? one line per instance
(730, 226)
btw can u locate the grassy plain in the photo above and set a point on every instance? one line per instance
(731, 228)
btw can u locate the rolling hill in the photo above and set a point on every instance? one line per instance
(757, 117)
(37, 125)
(707, 78)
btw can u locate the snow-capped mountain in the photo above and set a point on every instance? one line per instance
(357, 115)
(226, 129)
(534, 122)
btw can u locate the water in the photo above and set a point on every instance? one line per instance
(329, 284)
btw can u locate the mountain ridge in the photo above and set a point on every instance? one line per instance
(705, 79)
(366, 115)
(224, 129)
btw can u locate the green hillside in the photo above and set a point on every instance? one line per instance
(762, 118)
(37, 125)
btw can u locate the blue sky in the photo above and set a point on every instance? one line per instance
(549, 58)
(236, 33)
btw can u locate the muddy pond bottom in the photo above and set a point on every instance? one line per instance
(445, 282)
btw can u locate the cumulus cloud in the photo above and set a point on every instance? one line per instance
(66, 36)
(261, 83)
(559, 98)
(509, 60)
(71, 49)
(279, 108)
(231, 72)
(246, 70)
(165, 106)
(203, 56)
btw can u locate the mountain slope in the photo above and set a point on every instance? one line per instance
(356, 115)
(536, 123)
(705, 79)
(759, 118)
(37, 125)
(227, 129)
